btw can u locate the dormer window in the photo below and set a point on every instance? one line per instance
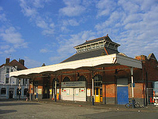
(93, 46)
(97, 45)
(102, 45)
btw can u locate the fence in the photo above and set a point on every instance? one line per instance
(152, 96)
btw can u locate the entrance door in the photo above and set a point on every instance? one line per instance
(122, 95)
(10, 94)
(122, 91)
(97, 94)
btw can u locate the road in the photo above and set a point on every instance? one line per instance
(36, 110)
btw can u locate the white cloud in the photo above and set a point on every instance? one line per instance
(2, 15)
(30, 9)
(11, 36)
(13, 39)
(71, 22)
(73, 8)
(133, 26)
(38, 4)
(31, 63)
(129, 7)
(105, 7)
(44, 51)
(27, 10)
(66, 49)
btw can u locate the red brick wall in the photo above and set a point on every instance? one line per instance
(138, 90)
(111, 90)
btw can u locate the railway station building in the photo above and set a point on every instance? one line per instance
(96, 72)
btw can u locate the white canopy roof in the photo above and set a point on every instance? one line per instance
(106, 60)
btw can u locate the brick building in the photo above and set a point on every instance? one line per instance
(96, 71)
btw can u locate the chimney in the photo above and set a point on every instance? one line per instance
(21, 61)
(7, 60)
(43, 64)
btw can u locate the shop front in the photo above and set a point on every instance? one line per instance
(73, 91)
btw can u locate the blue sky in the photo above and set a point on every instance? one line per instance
(45, 31)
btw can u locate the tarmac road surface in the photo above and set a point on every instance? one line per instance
(38, 110)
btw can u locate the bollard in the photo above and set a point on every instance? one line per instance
(133, 103)
(92, 100)
(55, 97)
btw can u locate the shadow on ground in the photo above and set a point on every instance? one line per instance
(121, 115)
(7, 111)
(14, 104)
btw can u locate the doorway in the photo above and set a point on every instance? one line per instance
(122, 91)
(10, 94)
(98, 94)
(98, 88)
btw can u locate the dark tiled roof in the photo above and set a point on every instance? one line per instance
(15, 63)
(90, 54)
(111, 51)
(151, 56)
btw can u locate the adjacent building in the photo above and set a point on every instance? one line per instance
(10, 87)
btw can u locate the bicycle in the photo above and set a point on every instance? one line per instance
(129, 105)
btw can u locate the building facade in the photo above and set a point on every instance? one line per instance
(82, 77)
(9, 86)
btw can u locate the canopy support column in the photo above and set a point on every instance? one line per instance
(55, 89)
(132, 83)
(92, 89)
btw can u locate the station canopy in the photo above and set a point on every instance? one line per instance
(89, 63)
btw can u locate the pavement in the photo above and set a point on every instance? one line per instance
(109, 107)
(48, 109)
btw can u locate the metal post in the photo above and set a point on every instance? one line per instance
(133, 100)
(55, 90)
(92, 91)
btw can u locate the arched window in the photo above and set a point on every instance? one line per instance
(3, 91)
(98, 80)
(66, 79)
(57, 82)
(82, 78)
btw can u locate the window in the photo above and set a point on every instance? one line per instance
(11, 69)
(7, 80)
(82, 78)
(98, 81)
(88, 48)
(7, 70)
(25, 82)
(93, 46)
(66, 79)
(3, 91)
(102, 45)
(97, 46)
